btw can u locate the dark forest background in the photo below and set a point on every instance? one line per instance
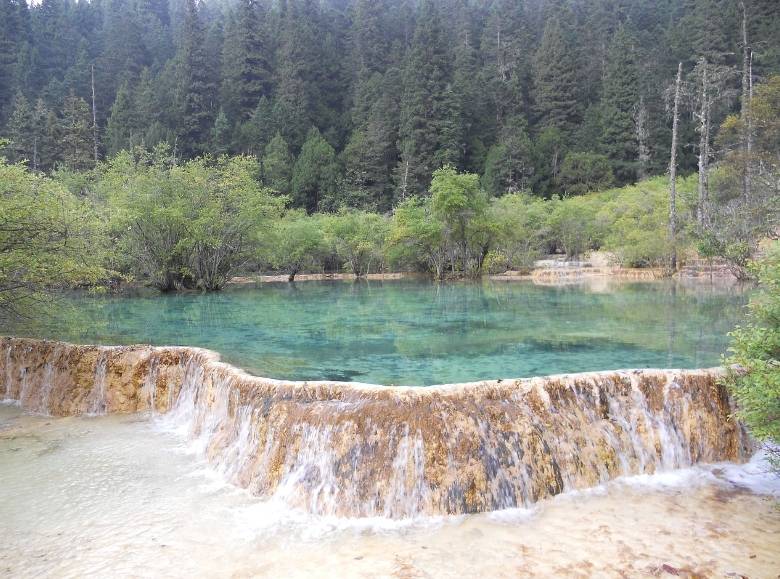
(357, 102)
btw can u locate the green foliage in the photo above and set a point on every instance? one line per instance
(398, 90)
(620, 100)
(315, 175)
(194, 94)
(634, 220)
(297, 243)
(48, 238)
(521, 229)
(122, 131)
(76, 134)
(573, 226)
(557, 101)
(755, 347)
(417, 239)
(277, 165)
(584, 172)
(185, 226)
(358, 238)
(246, 77)
(509, 163)
(460, 204)
(424, 104)
(740, 216)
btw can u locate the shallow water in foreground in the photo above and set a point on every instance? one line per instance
(125, 496)
(414, 332)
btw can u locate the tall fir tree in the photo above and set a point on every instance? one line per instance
(315, 175)
(220, 134)
(21, 130)
(76, 134)
(13, 36)
(195, 93)
(123, 128)
(423, 104)
(620, 101)
(509, 165)
(298, 57)
(277, 165)
(557, 103)
(246, 74)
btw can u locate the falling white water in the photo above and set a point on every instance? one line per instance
(241, 444)
(172, 518)
(150, 383)
(97, 402)
(48, 384)
(409, 492)
(8, 376)
(24, 389)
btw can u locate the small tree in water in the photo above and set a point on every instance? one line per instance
(756, 347)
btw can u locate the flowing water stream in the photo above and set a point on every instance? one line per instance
(124, 496)
(220, 473)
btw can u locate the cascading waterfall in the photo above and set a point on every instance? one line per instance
(7, 374)
(97, 405)
(360, 450)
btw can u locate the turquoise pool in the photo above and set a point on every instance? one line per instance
(414, 332)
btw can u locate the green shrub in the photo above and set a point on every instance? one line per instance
(756, 348)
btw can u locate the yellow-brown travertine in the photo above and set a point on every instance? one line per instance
(362, 450)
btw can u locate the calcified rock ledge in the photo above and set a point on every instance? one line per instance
(360, 450)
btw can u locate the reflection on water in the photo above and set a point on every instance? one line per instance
(416, 332)
(118, 496)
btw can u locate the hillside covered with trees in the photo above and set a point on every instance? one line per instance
(178, 142)
(357, 102)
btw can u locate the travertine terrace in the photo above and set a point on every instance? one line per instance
(351, 449)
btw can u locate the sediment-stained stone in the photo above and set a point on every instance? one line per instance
(361, 450)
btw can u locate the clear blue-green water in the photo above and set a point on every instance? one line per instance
(414, 332)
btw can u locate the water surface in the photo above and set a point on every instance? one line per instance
(413, 332)
(121, 496)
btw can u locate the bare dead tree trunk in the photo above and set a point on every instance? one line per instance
(673, 172)
(94, 117)
(747, 83)
(405, 180)
(640, 124)
(704, 147)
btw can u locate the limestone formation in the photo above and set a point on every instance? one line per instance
(361, 450)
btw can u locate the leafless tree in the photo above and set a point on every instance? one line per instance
(673, 171)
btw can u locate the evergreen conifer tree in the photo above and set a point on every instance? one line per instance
(122, 130)
(277, 165)
(315, 174)
(423, 104)
(620, 100)
(246, 75)
(76, 134)
(21, 130)
(195, 92)
(556, 98)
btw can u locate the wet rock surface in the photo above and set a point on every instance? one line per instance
(359, 450)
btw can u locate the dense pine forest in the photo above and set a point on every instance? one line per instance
(357, 102)
(177, 143)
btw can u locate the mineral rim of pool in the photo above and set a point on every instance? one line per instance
(414, 332)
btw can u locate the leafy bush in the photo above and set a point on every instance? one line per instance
(756, 348)
(49, 237)
(358, 238)
(297, 243)
(185, 226)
